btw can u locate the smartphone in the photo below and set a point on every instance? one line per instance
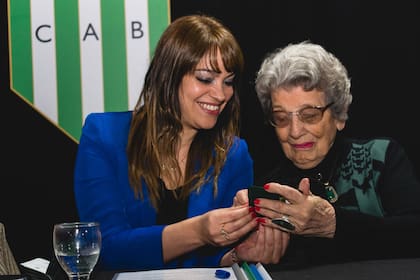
(255, 192)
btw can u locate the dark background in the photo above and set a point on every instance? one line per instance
(378, 41)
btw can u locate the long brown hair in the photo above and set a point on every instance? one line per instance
(156, 120)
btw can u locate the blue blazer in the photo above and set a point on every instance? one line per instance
(131, 239)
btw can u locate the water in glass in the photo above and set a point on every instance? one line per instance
(77, 246)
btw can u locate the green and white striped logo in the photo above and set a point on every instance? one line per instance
(72, 57)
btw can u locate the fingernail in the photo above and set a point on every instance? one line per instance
(266, 186)
(261, 220)
(256, 201)
(251, 209)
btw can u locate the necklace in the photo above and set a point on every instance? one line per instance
(164, 168)
(330, 191)
(172, 168)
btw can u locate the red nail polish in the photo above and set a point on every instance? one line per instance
(266, 186)
(256, 201)
(257, 208)
(251, 209)
(261, 220)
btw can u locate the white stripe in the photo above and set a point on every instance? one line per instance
(91, 56)
(138, 57)
(43, 57)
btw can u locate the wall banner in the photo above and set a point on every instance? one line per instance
(70, 58)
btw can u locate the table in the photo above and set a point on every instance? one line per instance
(399, 269)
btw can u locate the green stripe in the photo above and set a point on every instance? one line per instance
(68, 66)
(159, 18)
(114, 56)
(21, 48)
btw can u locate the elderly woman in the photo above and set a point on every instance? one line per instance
(345, 199)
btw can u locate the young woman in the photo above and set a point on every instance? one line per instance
(161, 180)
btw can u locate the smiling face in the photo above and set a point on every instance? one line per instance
(306, 145)
(203, 95)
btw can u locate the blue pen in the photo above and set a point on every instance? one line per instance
(255, 271)
(222, 274)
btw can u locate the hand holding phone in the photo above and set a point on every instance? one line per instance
(255, 192)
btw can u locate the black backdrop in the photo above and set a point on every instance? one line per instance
(378, 41)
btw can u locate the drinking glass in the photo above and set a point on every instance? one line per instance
(77, 246)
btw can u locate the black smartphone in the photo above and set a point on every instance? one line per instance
(255, 192)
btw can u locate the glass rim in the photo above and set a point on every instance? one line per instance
(76, 224)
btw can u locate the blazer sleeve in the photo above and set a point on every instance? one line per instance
(103, 194)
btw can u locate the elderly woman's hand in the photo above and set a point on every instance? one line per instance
(266, 245)
(311, 215)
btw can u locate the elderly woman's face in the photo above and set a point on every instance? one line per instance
(305, 144)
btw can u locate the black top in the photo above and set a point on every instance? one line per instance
(171, 209)
(364, 173)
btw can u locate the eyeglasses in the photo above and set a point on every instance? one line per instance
(308, 115)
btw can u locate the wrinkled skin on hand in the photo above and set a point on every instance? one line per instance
(266, 245)
(312, 215)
